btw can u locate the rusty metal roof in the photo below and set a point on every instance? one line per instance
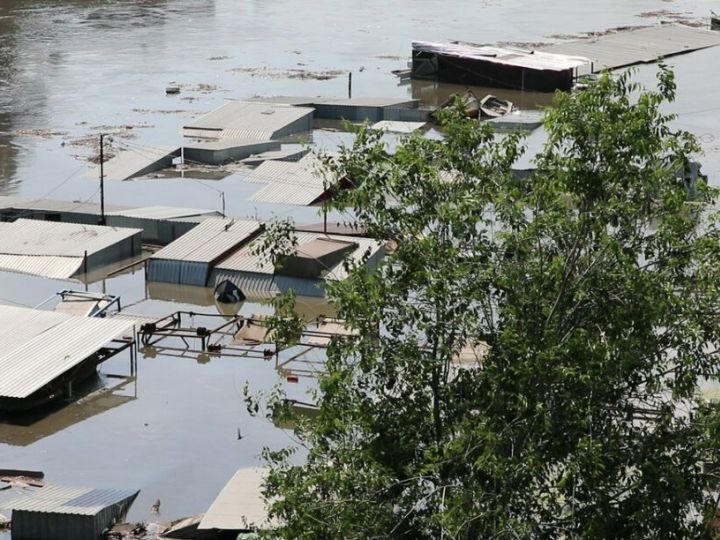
(39, 346)
(626, 48)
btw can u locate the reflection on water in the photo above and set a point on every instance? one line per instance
(96, 397)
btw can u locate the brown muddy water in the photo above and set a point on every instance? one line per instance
(72, 69)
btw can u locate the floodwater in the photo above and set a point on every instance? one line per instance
(71, 69)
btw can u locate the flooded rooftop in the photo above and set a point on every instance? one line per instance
(179, 431)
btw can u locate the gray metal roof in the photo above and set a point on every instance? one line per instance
(247, 120)
(51, 249)
(210, 240)
(38, 346)
(545, 60)
(35, 237)
(245, 261)
(240, 505)
(625, 48)
(139, 161)
(52, 205)
(162, 212)
(70, 500)
(288, 182)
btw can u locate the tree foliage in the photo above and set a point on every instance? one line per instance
(594, 285)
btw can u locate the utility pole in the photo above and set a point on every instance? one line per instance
(102, 180)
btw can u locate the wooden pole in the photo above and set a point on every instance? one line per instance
(102, 179)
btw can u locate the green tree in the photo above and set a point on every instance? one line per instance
(592, 289)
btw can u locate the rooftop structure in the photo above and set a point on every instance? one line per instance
(39, 347)
(643, 45)
(68, 513)
(288, 182)
(139, 162)
(248, 120)
(222, 151)
(63, 250)
(494, 66)
(240, 505)
(189, 259)
(318, 258)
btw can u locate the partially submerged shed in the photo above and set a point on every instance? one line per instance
(497, 67)
(190, 259)
(251, 120)
(318, 257)
(139, 162)
(223, 151)
(68, 513)
(63, 250)
(42, 351)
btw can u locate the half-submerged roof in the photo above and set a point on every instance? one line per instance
(288, 182)
(53, 249)
(38, 346)
(240, 505)
(251, 120)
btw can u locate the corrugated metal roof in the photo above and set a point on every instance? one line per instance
(288, 182)
(210, 240)
(510, 57)
(240, 505)
(37, 347)
(162, 212)
(138, 162)
(35, 237)
(245, 261)
(70, 500)
(625, 48)
(242, 119)
(41, 265)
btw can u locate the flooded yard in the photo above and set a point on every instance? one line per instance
(72, 69)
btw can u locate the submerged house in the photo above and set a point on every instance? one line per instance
(497, 67)
(190, 259)
(64, 250)
(317, 258)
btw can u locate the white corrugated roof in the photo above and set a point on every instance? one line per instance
(245, 261)
(498, 55)
(70, 500)
(41, 265)
(210, 240)
(246, 120)
(34, 237)
(37, 346)
(240, 505)
(162, 212)
(288, 182)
